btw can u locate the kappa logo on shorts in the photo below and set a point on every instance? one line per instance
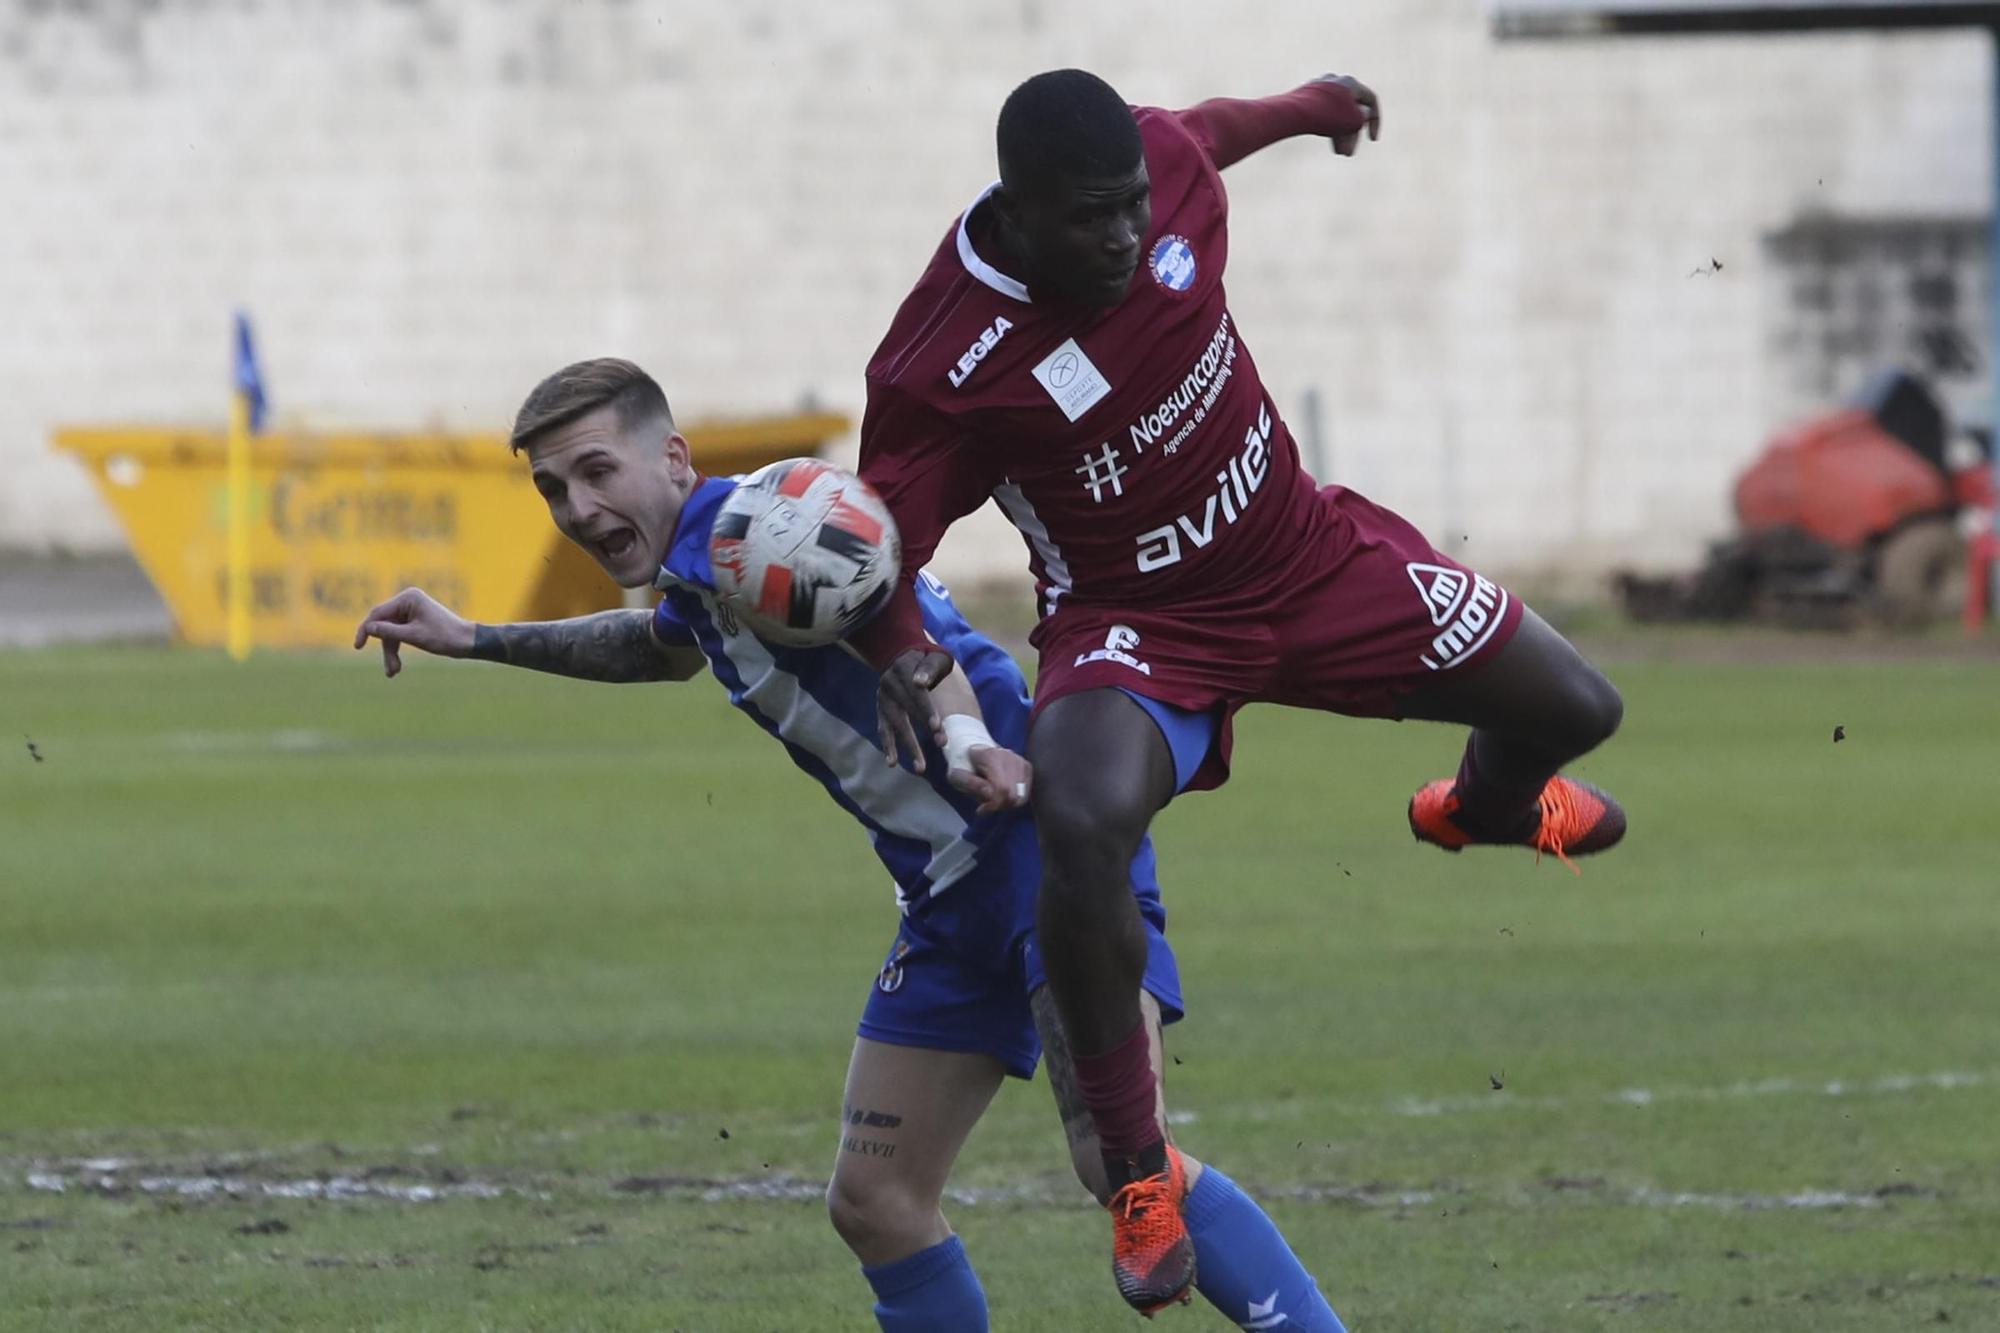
(1468, 606)
(1118, 645)
(890, 979)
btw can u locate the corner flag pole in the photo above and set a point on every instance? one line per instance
(246, 417)
(239, 527)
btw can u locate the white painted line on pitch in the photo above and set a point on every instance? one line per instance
(85, 1177)
(1889, 1085)
(93, 1179)
(1886, 1086)
(1044, 1194)
(1756, 1202)
(290, 741)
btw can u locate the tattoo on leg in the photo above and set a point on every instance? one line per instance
(875, 1119)
(871, 1119)
(867, 1147)
(1061, 1067)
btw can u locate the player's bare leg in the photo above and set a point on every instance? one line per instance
(1079, 1131)
(905, 1114)
(1102, 770)
(1535, 707)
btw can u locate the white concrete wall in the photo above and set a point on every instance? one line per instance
(428, 205)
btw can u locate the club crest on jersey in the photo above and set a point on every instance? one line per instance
(1172, 263)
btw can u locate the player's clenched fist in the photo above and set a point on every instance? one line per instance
(996, 775)
(1365, 114)
(414, 617)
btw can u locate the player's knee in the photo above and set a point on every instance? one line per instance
(1087, 841)
(876, 1216)
(1598, 710)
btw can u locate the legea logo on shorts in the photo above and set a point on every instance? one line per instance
(1118, 645)
(1468, 607)
(1172, 262)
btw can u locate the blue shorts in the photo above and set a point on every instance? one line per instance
(964, 963)
(1190, 736)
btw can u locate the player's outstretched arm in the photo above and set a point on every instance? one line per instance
(975, 763)
(917, 460)
(1338, 107)
(614, 646)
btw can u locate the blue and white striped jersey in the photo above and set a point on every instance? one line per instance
(820, 704)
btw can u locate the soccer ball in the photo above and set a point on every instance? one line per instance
(804, 552)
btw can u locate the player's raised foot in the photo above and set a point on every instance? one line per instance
(1570, 819)
(1152, 1255)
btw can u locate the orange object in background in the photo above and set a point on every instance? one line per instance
(1842, 478)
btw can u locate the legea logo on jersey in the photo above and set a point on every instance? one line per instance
(988, 339)
(1172, 262)
(1466, 607)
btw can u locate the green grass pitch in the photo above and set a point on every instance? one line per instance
(283, 945)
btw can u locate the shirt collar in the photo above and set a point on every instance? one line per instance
(687, 554)
(978, 267)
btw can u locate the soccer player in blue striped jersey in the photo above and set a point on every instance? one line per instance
(960, 1003)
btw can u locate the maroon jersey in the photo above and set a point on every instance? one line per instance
(1135, 447)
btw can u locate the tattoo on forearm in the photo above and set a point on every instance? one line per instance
(611, 645)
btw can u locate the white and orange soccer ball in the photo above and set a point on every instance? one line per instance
(804, 552)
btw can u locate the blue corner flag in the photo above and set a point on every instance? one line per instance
(249, 379)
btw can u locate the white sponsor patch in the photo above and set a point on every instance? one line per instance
(1071, 380)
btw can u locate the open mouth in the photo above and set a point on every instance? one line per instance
(616, 545)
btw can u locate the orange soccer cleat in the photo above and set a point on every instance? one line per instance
(1152, 1255)
(1571, 819)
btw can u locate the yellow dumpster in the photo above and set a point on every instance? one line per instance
(341, 521)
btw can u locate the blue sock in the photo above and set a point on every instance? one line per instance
(932, 1291)
(1243, 1266)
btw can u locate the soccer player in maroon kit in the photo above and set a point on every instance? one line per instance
(1070, 354)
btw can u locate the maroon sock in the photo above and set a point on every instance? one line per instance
(1119, 1088)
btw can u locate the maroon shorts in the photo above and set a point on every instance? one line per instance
(1367, 612)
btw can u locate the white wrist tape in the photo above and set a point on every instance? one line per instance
(962, 733)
